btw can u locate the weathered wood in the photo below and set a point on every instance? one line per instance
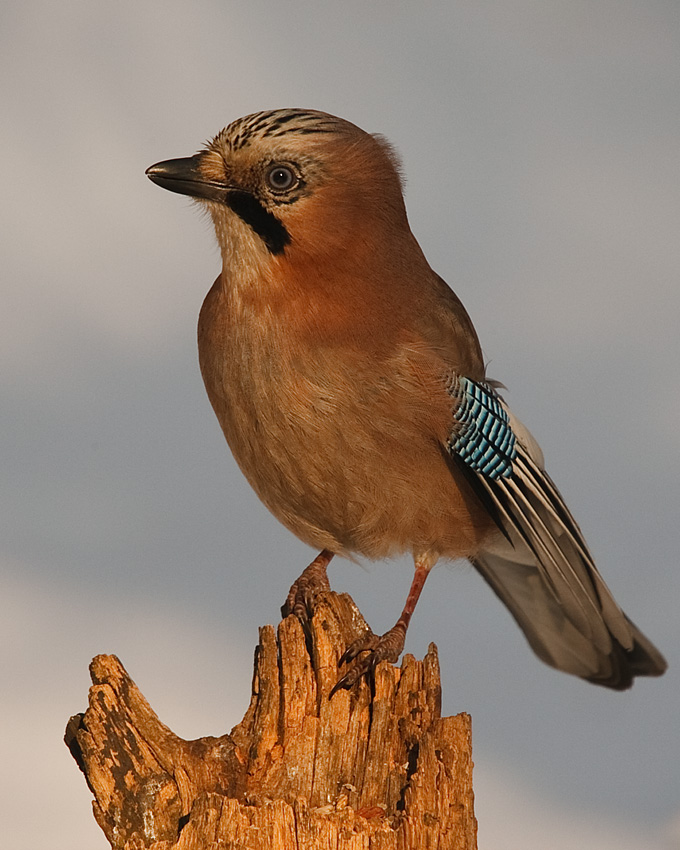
(375, 768)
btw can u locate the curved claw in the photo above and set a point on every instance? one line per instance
(351, 678)
(368, 642)
(387, 647)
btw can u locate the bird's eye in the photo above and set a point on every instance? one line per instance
(280, 178)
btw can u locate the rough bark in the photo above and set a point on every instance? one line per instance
(375, 768)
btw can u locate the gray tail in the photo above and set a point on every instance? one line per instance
(540, 567)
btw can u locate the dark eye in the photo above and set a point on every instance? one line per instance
(280, 178)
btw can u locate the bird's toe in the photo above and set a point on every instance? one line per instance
(387, 647)
(304, 591)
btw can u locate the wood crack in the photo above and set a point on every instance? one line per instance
(376, 767)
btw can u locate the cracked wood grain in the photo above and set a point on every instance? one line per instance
(375, 768)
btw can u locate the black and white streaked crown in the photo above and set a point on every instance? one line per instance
(276, 123)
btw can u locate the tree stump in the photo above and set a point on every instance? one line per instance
(376, 767)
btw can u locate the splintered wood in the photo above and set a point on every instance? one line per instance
(375, 768)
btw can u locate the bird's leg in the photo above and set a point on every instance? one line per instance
(387, 647)
(303, 592)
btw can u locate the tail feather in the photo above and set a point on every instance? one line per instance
(540, 567)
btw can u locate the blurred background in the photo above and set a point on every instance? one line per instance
(540, 146)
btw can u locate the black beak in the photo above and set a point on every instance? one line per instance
(184, 177)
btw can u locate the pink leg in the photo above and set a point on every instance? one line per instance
(387, 647)
(303, 592)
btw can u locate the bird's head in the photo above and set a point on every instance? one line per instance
(292, 183)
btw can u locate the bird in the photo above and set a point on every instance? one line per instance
(351, 387)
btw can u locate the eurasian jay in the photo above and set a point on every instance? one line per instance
(350, 384)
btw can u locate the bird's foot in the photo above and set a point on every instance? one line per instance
(304, 591)
(387, 647)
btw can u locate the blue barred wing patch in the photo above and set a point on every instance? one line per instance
(483, 438)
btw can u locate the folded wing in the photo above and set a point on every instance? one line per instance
(539, 564)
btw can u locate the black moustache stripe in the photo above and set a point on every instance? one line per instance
(265, 224)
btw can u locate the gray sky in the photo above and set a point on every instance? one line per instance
(540, 145)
